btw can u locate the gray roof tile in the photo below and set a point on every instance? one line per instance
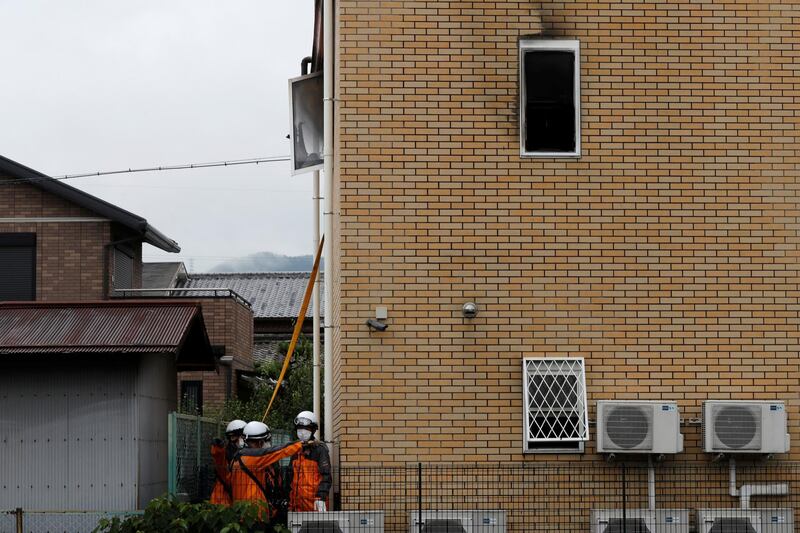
(271, 294)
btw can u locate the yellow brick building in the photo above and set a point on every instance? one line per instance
(665, 254)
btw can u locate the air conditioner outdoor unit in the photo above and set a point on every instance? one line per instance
(745, 521)
(337, 522)
(640, 521)
(492, 521)
(745, 427)
(647, 427)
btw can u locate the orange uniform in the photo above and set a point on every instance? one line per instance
(221, 495)
(311, 476)
(248, 470)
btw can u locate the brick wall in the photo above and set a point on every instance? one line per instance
(229, 324)
(70, 256)
(666, 255)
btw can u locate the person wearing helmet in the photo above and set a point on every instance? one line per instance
(222, 453)
(248, 473)
(310, 468)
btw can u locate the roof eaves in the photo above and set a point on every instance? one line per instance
(92, 203)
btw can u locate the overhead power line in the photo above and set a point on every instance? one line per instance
(229, 163)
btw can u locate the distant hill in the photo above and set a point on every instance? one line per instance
(267, 262)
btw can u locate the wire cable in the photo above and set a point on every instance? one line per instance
(186, 166)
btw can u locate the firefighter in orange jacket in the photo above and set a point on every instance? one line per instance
(222, 453)
(310, 468)
(248, 472)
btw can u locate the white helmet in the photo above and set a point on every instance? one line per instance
(306, 419)
(257, 431)
(234, 427)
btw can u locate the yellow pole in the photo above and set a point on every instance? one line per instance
(298, 327)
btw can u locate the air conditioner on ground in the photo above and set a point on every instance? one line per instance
(745, 427)
(647, 427)
(745, 521)
(337, 522)
(457, 522)
(640, 521)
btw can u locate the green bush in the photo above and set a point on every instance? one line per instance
(166, 514)
(296, 392)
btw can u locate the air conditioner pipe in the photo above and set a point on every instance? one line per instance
(748, 491)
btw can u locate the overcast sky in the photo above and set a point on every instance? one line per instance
(98, 85)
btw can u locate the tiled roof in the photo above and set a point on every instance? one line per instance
(104, 327)
(271, 294)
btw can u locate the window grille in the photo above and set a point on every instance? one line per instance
(555, 401)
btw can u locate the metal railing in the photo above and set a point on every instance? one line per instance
(210, 292)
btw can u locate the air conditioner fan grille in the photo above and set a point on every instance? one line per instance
(737, 427)
(628, 427)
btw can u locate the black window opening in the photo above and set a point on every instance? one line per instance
(192, 397)
(549, 99)
(123, 268)
(17, 266)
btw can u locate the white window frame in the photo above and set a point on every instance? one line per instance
(583, 432)
(560, 45)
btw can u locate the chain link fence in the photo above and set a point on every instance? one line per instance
(191, 470)
(20, 520)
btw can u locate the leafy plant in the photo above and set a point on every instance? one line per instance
(166, 514)
(295, 395)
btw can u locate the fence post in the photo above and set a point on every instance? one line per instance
(624, 503)
(419, 495)
(172, 445)
(18, 513)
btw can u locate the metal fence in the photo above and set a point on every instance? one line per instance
(759, 497)
(191, 473)
(755, 496)
(20, 520)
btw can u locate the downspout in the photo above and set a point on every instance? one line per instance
(315, 304)
(327, 74)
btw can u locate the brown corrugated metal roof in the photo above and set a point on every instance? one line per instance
(101, 327)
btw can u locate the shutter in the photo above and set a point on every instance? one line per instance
(18, 266)
(123, 269)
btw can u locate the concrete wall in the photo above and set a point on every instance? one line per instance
(156, 397)
(666, 255)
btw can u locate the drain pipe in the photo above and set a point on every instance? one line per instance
(327, 210)
(749, 491)
(651, 484)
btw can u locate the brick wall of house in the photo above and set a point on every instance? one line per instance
(70, 256)
(229, 324)
(666, 255)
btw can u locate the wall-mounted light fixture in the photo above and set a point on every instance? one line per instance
(469, 310)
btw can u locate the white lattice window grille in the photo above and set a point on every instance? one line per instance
(555, 403)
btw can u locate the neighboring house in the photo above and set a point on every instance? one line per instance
(613, 184)
(275, 299)
(87, 381)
